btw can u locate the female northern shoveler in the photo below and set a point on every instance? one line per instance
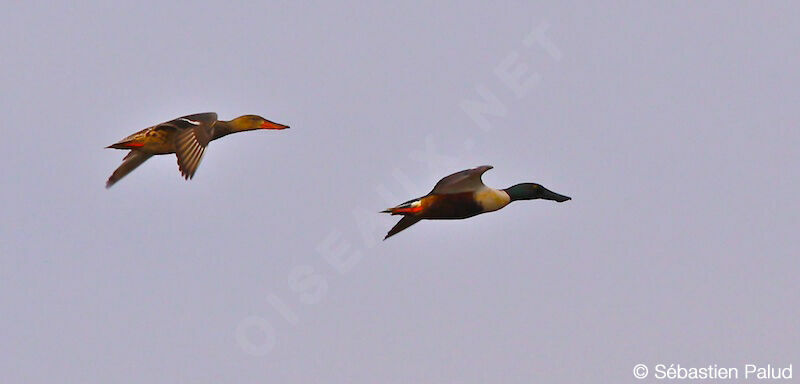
(186, 137)
(462, 195)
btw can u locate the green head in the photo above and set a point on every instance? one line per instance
(530, 191)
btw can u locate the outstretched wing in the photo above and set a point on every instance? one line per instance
(194, 132)
(465, 181)
(404, 223)
(132, 160)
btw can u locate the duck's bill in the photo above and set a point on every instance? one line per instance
(550, 195)
(270, 125)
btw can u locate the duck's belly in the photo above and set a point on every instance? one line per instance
(453, 206)
(463, 205)
(159, 148)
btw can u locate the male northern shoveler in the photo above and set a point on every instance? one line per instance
(186, 137)
(462, 195)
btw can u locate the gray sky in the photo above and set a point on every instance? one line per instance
(673, 127)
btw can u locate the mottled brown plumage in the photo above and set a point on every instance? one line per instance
(187, 137)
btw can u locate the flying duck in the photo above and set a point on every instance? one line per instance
(187, 137)
(462, 195)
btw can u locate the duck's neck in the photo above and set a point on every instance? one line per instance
(222, 128)
(518, 192)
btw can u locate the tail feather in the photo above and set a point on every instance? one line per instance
(405, 210)
(130, 144)
(132, 160)
(408, 208)
(404, 223)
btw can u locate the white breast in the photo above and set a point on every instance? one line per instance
(492, 199)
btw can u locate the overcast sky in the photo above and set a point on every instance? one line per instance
(673, 127)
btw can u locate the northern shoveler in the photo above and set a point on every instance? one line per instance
(462, 195)
(187, 137)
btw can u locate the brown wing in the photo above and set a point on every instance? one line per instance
(465, 181)
(194, 132)
(132, 160)
(404, 223)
